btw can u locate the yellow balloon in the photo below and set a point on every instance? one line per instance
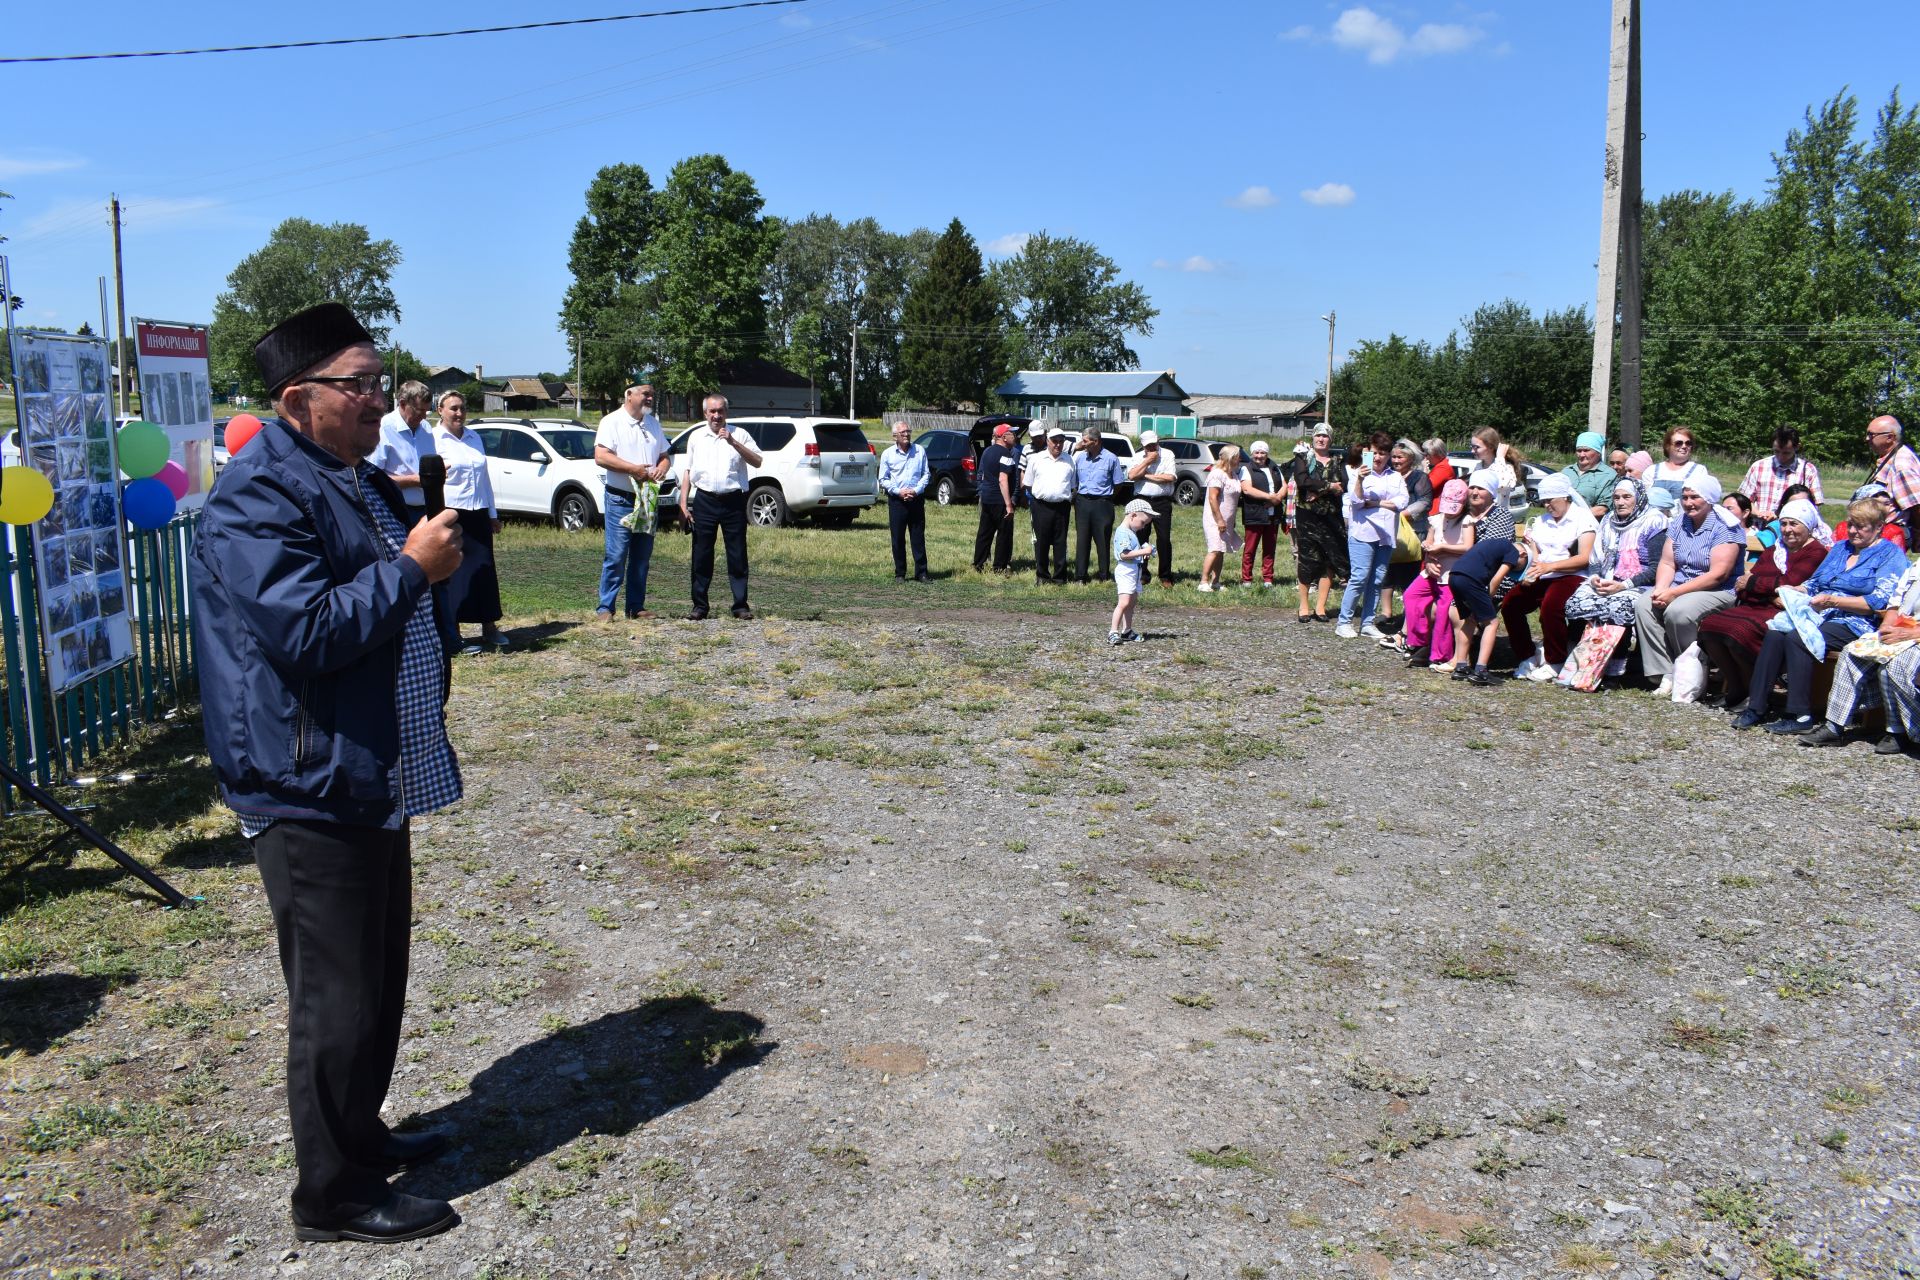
(25, 495)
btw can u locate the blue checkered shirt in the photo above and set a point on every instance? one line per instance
(429, 775)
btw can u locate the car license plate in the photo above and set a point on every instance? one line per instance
(850, 471)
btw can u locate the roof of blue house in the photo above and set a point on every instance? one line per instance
(1136, 382)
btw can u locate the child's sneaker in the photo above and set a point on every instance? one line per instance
(1114, 638)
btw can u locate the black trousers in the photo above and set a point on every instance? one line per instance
(995, 532)
(342, 900)
(1782, 650)
(1093, 522)
(1050, 520)
(904, 519)
(727, 513)
(1163, 535)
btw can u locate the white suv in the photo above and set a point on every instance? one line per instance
(822, 468)
(542, 467)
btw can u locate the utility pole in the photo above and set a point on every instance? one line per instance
(120, 306)
(1326, 408)
(853, 365)
(1631, 302)
(576, 375)
(1622, 84)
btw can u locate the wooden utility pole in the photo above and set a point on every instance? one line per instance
(120, 360)
(853, 366)
(1620, 187)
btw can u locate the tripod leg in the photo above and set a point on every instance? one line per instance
(79, 827)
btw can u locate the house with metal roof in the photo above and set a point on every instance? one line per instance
(1285, 416)
(1116, 399)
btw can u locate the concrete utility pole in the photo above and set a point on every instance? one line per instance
(1631, 301)
(120, 306)
(1326, 408)
(1622, 155)
(853, 365)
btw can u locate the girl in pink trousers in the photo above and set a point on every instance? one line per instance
(1429, 638)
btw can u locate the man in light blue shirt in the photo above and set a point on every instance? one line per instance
(405, 438)
(1096, 476)
(903, 478)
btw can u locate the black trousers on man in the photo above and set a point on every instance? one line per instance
(342, 902)
(904, 519)
(1093, 522)
(726, 513)
(1163, 536)
(995, 533)
(1050, 520)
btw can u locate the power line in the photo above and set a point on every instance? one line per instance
(414, 35)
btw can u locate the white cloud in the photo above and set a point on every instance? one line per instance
(1301, 32)
(1254, 198)
(1195, 264)
(1382, 40)
(1329, 195)
(1008, 245)
(797, 21)
(18, 166)
(137, 213)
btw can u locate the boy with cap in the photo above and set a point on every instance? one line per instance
(1477, 576)
(1130, 557)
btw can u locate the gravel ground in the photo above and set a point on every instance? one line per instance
(909, 945)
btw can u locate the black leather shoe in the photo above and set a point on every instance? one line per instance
(698, 615)
(1891, 744)
(1825, 736)
(921, 577)
(743, 613)
(398, 1217)
(411, 1150)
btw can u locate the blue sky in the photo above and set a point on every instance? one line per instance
(1249, 164)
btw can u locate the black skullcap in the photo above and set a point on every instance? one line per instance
(302, 341)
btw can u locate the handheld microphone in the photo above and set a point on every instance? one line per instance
(433, 483)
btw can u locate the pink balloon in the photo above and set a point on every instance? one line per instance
(241, 428)
(174, 476)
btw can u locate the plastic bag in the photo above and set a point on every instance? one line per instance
(1406, 547)
(645, 516)
(1588, 663)
(1689, 675)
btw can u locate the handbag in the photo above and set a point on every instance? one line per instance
(1587, 664)
(1406, 547)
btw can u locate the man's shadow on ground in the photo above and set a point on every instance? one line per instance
(608, 1076)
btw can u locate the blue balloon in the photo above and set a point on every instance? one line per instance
(148, 503)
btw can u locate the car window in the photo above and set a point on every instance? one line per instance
(840, 439)
(770, 436)
(1119, 448)
(1185, 450)
(573, 443)
(511, 445)
(680, 442)
(489, 439)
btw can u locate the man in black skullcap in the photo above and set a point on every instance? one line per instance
(324, 671)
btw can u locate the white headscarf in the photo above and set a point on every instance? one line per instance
(1809, 515)
(1703, 483)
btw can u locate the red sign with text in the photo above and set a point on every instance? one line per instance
(169, 340)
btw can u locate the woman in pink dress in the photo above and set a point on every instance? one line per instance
(1223, 499)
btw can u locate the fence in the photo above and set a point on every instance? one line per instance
(50, 737)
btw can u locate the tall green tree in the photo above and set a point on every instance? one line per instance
(1069, 307)
(952, 338)
(704, 265)
(302, 264)
(608, 310)
(1534, 372)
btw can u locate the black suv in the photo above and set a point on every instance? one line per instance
(951, 463)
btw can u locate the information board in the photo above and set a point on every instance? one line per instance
(79, 548)
(174, 396)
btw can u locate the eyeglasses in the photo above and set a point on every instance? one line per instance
(362, 384)
(1879, 435)
(1683, 443)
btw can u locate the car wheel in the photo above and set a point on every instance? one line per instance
(1187, 493)
(946, 492)
(573, 511)
(766, 507)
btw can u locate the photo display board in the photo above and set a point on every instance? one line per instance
(175, 397)
(80, 554)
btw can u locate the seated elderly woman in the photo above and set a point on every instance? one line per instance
(1705, 546)
(1892, 530)
(1853, 583)
(1626, 555)
(1731, 638)
(1882, 675)
(1562, 544)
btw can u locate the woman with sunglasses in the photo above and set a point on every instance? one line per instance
(1678, 469)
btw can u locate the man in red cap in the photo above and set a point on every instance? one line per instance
(1895, 466)
(999, 479)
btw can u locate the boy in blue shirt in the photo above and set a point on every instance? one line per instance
(1129, 568)
(1476, 576)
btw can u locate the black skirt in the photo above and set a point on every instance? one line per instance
(474, 587)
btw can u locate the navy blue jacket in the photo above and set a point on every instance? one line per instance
(298, 610)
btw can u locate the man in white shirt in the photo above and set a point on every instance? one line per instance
(1154, 478)
(405, 438)
(713, 497)
(631, 449)
(1049, 485)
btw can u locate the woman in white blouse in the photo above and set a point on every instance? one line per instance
(474, 589)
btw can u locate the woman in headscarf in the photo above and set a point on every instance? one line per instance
(1854, 582)
(1562, 540)
(1864, 680)
(1731, 638)
(1891, 530)
(1705, 546)
(1626, 556)
(1320, 543)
